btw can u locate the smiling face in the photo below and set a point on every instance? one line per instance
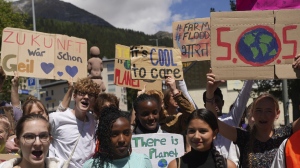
(148, 114)
(200, 135)
(34, 151)
(121, 138)
(265, 113)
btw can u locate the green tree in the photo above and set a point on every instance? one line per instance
(8, 18)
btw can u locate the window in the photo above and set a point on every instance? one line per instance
(110, 77)
(52, 105)
(47, 106)
(52, 92)
(110, 67)
(46, 93)
(111, 88)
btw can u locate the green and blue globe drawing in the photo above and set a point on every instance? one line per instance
(258, 46)
(162, 163)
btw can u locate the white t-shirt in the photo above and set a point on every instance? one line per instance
(233, 118)
(65, 132)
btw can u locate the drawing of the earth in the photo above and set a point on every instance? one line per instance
(162, 163)
(258, 46)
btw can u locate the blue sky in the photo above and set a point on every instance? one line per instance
(149, 16)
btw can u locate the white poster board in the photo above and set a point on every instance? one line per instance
(161, 148)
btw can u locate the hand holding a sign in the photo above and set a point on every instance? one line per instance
(142, 91)
(15, 80)
(296, 63)
(170, 81)
(15, 101)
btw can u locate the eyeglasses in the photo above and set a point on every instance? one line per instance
(85, 93)
(31, 138)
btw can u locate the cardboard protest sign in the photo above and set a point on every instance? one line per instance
(192, 37)
(123, 75)
(243, 5)
(42, 55)
(161, 148)
(5, 157)
(154, 63)
(251, 45)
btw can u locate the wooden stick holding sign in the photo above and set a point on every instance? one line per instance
(155, 63)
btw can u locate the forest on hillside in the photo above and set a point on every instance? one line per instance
(103, 37)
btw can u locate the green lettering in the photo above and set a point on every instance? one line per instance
(136, 141)
(163, 141)
(176, 154)
(13, 67)
(171, 154)
(151, 152)
(149, 142)
(166, 154)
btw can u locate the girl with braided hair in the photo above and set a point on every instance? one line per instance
(202, 129)
(114, 133)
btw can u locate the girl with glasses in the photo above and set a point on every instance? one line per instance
(33, 137)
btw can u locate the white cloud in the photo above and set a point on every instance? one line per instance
(148, 16)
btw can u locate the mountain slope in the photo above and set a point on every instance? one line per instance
(59, 10)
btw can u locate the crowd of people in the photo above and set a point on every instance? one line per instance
(96, 133)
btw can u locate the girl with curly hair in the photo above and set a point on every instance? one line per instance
(114, 133)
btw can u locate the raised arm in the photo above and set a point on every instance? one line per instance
(183, 88)
(15, 101)
(63, 106)
(227, 131)
(240, 103)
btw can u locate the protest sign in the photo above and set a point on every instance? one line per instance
(161, 148)
(242, 5)
(155, 63)
(192, 37)
(255, 44)
(123, 75)
(5, 157)
(42, 55)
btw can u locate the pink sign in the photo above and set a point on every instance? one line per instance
(243, 5)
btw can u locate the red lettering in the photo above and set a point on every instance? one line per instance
(18, 39)
(127, 80)
(8, 37)
(223, 44)
(69, 44)
(33, 40)
(63, 46)
(79, 46)
(286, 41)
(45, 43)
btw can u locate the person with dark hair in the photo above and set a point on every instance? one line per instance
(147, 108)
(73, 130)
(233, 118)
(104, 100)
(258, 146)
(114, 133)
(178, 108)
(202, 129)
(33, 137)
